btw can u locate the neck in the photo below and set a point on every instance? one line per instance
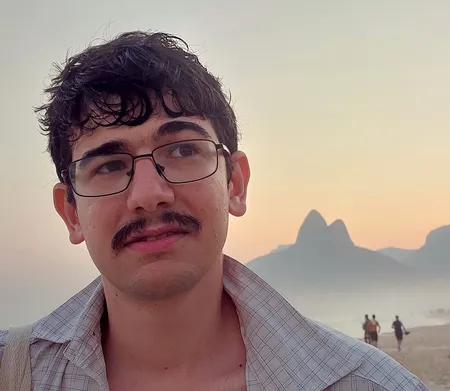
(177, 331)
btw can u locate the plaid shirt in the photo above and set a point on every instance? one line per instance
(285, 350)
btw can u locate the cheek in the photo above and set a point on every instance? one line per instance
(210, 195)
(97, 221)
(211, 204)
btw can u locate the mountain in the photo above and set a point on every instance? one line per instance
(399, 254)
(281, 247)
(325, 258)
(312, 229)
(338, 235)
(315, 233)
(434, 255)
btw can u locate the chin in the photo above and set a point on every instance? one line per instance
(162, 281)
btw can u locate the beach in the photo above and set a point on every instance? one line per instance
(425, 352)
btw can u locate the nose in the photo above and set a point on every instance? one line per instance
(148, 191)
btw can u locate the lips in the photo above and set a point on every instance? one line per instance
(144, 232)
(152, 235)
(152, 238)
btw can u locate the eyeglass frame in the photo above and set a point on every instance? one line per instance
(219, 146)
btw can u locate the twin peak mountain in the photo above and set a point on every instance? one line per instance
(315, 232)
(325, 257)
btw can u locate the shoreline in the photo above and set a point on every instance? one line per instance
(417, 329)
(425, 352)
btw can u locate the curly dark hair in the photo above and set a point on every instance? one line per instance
(109, 84)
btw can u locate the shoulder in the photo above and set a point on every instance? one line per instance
(360, 383)
(78, 314)
(44, 354)
(3, 337)
(356, 365)
(281, 342)
(376, 371)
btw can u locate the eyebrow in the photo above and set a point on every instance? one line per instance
(174, 127)
(108, 148)
(167, 128)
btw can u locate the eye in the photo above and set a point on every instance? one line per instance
(111, 166)
(184, 150)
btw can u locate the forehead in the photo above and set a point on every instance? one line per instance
(157, 130)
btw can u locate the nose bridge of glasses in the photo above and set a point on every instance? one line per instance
(148, 156)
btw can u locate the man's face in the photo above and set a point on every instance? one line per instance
(167, 265)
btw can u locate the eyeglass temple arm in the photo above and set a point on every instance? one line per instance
(224, 147)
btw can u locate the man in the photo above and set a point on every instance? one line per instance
(145, 146)
(398, 327)
(373, 328)
(364, 326)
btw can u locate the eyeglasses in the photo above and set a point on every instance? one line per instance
(179, 162)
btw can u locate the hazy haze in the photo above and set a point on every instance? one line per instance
(343, 105)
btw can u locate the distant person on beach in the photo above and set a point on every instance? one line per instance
(373, 328)
(398, 327)
(145, 145)
(364, 326)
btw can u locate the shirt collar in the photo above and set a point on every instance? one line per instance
(76, 325)
(284, 349)
(76, 318)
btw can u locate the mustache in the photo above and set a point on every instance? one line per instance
(184, 220)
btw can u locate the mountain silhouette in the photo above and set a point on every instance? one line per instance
(281, 247)
(399, 254)
(314, 232)
(434, 255)
(338, 234)
(325, 257)
(312, 228)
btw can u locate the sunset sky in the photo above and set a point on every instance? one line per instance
(344, 107)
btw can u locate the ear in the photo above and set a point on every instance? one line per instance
(68, 213)
(237, 188)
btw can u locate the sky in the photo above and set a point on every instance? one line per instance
(344, 107)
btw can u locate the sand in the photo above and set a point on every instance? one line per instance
(425, 352)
